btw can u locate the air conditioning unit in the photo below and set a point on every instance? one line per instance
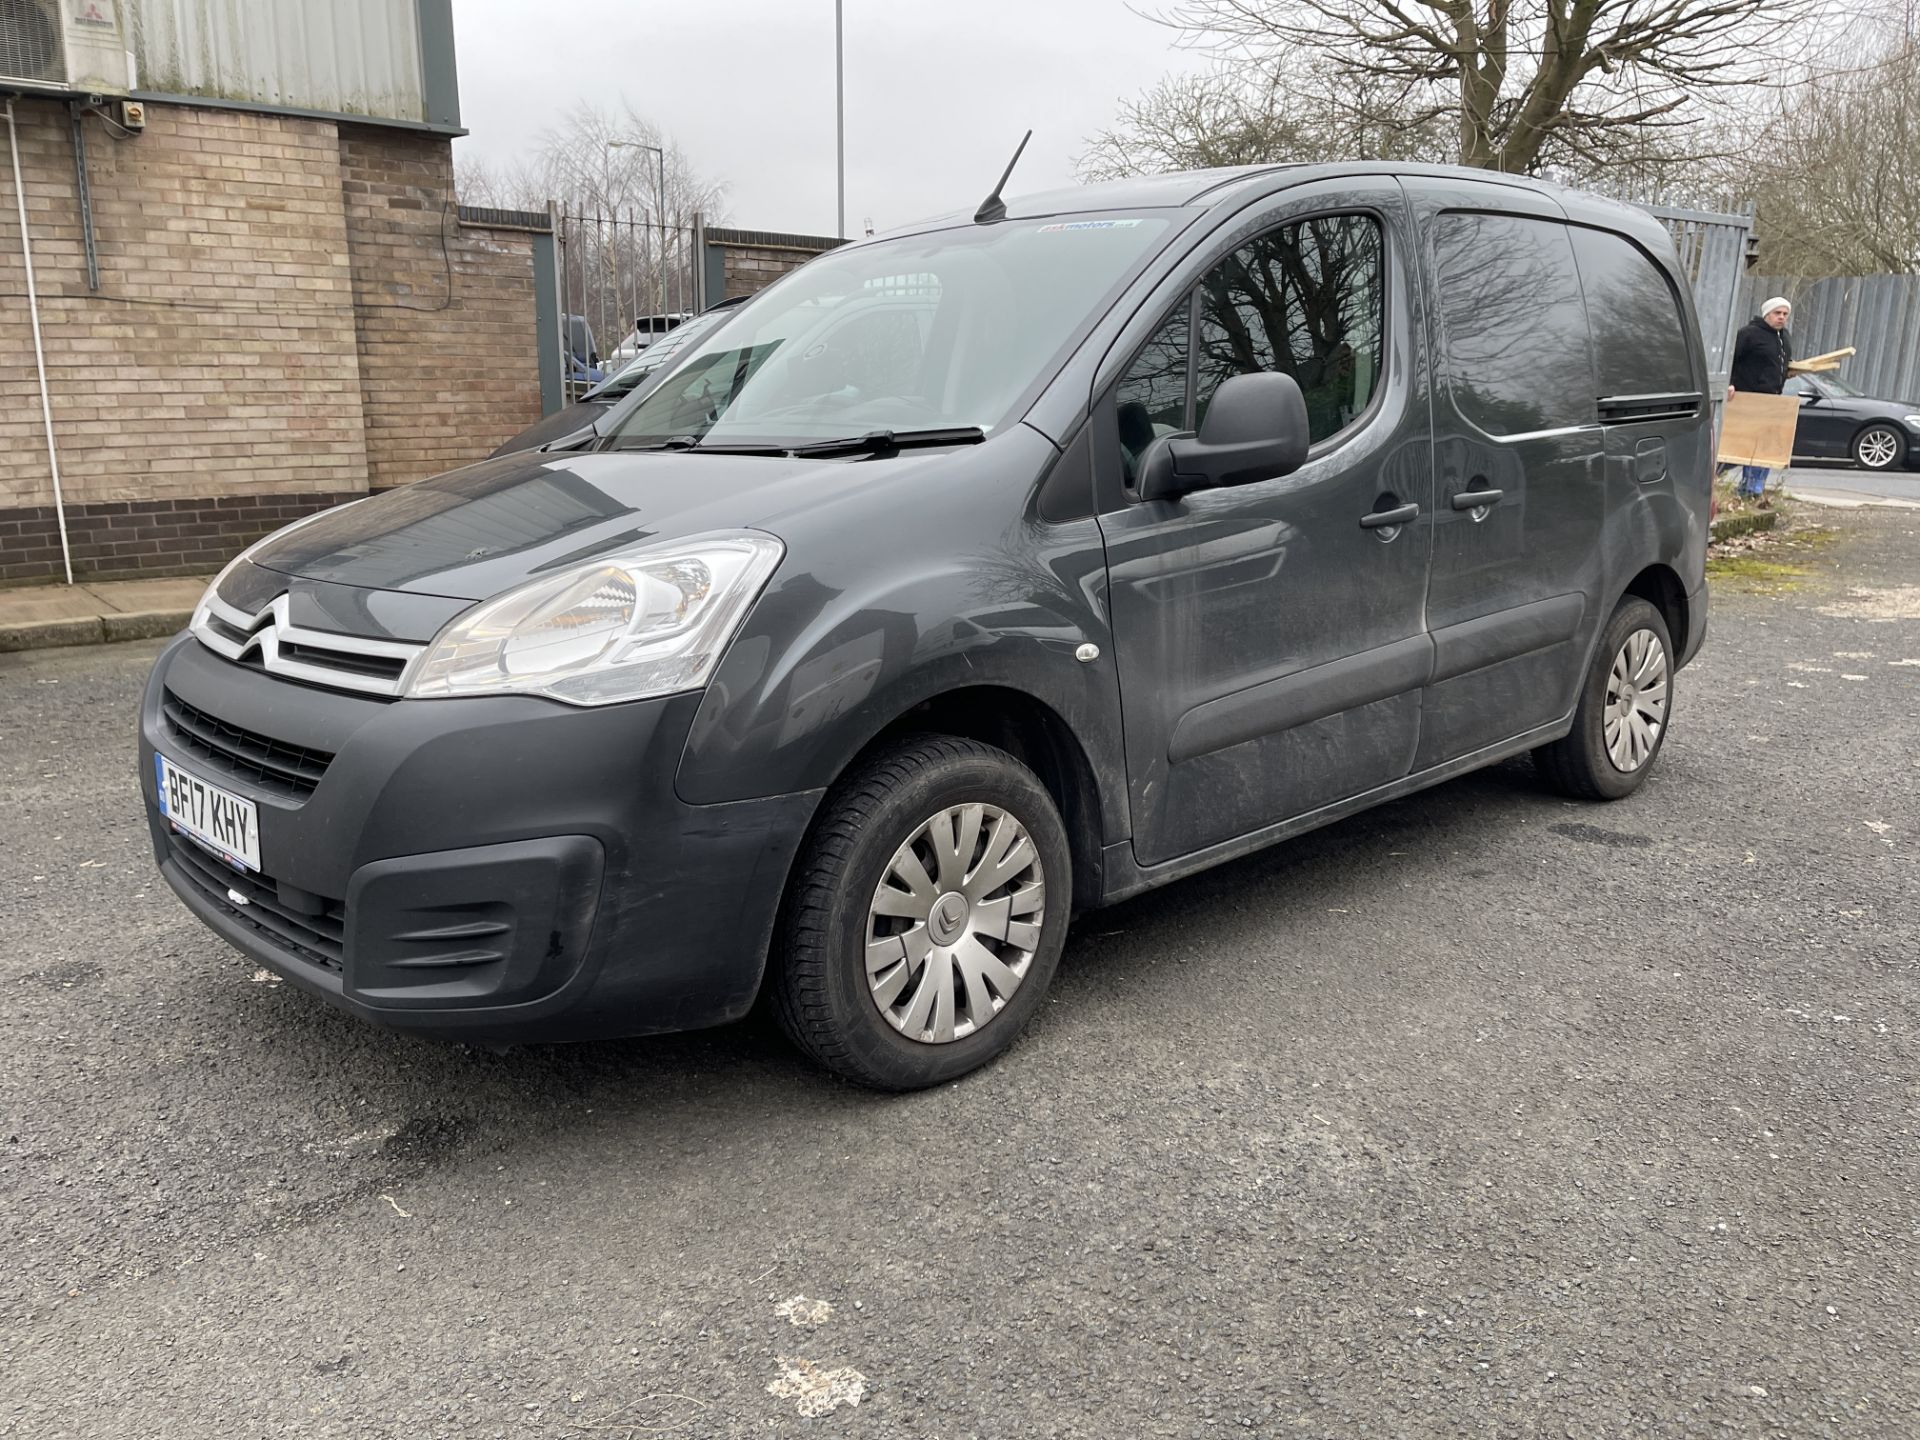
(64, 46)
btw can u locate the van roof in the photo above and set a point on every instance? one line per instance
(1205, 189)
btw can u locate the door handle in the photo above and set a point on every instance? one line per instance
(1476, 499)
(1380, 519)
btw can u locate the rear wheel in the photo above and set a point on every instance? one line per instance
(926, 917)
(1625, 707)
(1879, 447)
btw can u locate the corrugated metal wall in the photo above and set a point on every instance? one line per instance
(353, 57)
(1879, 315)
(1711, 249)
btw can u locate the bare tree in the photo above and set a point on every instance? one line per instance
(1249, 115)
(628, 195)
(1836, 164)
(1521, 85)
(597, 159)
(1195, 122)
(513, 186)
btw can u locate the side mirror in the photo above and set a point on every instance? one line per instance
(1809, 397)
(1255, 429)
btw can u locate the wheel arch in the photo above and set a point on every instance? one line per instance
(1031, 731)
(1036, 735)
(1877, 422)
(1659, 585)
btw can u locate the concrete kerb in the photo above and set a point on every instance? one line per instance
(1851, 500)
(43, 616)
(1727, 527)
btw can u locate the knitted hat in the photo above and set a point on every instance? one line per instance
(1778, 302)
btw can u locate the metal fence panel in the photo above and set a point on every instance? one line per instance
(1711, 248)
(1879, 315)
(625, 278)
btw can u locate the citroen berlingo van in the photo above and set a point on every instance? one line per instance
(967, 579)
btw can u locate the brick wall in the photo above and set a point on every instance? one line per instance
(218, 354)
(190, 536)
(447, 345)
(249, 356)
(751, 260)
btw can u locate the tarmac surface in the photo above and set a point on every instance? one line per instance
(1850, 485)
(1481, 1114)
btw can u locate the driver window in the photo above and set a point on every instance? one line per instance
(1307, 300)
(1152, 399)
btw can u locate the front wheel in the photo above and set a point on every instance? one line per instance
(926, 916)
(1879, 447)
(1625, 707)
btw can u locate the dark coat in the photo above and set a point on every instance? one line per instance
(1761, 355)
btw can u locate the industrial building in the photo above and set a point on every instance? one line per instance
(236, 284)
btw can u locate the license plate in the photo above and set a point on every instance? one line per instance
(225, 824)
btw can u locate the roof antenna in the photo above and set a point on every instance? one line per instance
(993, 207)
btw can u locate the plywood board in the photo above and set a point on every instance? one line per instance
(1829, 361)
(1758, 430)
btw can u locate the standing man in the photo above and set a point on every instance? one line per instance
(1761, 353)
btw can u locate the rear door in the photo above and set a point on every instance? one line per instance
(1650, 372)
(1519, 477)
(1270, 644)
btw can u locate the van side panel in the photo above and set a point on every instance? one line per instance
(1514, 596)
(1659, 453)
(913, 591)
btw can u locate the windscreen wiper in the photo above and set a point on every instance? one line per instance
(885, 442)
(693, 442)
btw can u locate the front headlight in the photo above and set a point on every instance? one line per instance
(653, 620)
(1913, 420)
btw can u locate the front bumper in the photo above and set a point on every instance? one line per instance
(502, 869)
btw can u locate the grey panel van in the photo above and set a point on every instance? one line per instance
(967, 579)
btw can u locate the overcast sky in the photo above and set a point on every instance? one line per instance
(938, 91)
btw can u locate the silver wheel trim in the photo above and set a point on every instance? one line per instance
(1877, 449)
(1637, 691)
(954, 923)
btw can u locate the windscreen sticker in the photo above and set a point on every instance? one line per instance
(1089, 225)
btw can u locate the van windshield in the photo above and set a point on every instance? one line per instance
(944, 330)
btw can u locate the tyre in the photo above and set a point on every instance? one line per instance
(1625, 708)
(1879, 447)
(926, 915)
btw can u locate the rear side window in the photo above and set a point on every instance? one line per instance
(1514, 327)
(1307, 300)
(1639, 339)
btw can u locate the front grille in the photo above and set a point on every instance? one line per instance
(270, 641)
(314, 930)
(275, 765)
(388, 668)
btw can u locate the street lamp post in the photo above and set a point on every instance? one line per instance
(839, 121)
(659, 212)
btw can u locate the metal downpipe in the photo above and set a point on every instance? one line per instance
(39, 354)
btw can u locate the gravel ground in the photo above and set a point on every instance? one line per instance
(1480, 1114)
